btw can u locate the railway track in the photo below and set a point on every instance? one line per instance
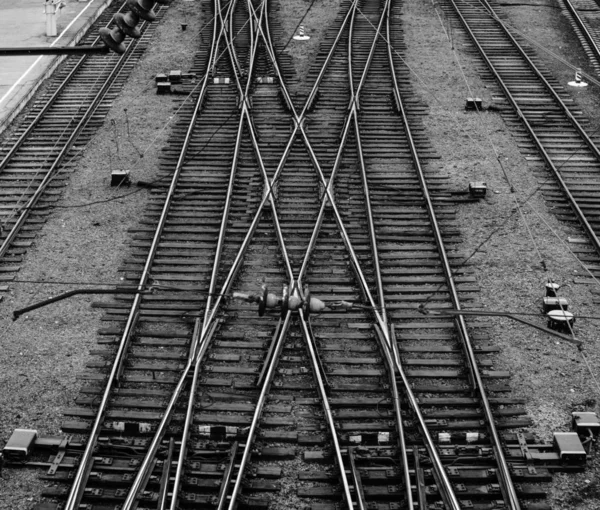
(554, 129)
(36, 157)
(293, 340)
(584, 17)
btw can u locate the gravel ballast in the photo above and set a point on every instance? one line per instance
(43, 351)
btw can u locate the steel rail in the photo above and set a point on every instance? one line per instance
(446, 488)
(388, 352)
(438, 467)
(386, 348)
(156, 440)
(352, 117)
(229, 197)
(282, 332)
(326, 407)
(262, 398)
(50, 101)
(55, 167)
(298, 121)
(217, 261)
(379, 282)
(86, 460)
(591, 145)
(245, 117)
(547, 158)
(274, 359)
(363, 169)
(361, 502)
(583, 27)
(202, 334)
(204, 338)
(461, 325)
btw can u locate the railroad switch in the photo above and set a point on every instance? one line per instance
(120, 178)
(19, 445)
(286, 302)
(473, 104)
(569, 447)
(477, 189)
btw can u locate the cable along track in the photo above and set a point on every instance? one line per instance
(59, 122)
(195, 400)
(544, 110)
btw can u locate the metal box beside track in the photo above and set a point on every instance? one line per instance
(19, 444)
(569, 447)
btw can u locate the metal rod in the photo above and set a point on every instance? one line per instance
(53, 50)
(508, 315)
(66, 295)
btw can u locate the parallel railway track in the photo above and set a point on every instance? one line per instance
(35, 156)
(350, 387)
(584, 16)
(543, 109)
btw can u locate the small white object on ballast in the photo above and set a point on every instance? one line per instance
(578, 81)
(301, 36)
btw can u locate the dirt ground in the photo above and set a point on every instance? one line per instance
(43, 352)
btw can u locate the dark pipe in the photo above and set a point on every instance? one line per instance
(60, 297)
(52, 50)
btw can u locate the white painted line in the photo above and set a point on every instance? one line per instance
(16, 84)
